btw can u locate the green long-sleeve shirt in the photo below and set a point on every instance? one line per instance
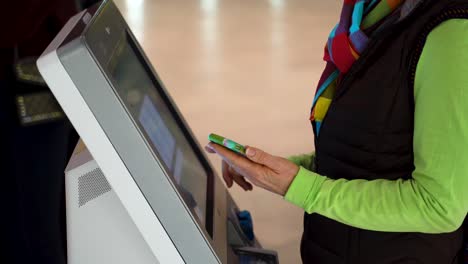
(435, 199)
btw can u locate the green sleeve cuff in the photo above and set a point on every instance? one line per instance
(304, 189)
(304, 160)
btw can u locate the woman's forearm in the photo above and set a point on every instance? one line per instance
(379, 205)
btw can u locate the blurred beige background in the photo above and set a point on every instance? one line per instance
(245, 69)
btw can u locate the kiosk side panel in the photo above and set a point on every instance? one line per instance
(138, 159)
(89, 129)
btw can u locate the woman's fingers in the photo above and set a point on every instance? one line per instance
(240, 166)
(209, 150)
(272, 173)
(232, 158)
(230, 176)
(261, 157)
(242, 182)
(226, 174)
(243, 167)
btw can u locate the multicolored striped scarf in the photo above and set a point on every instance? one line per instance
(345, 44)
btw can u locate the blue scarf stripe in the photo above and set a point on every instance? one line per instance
(332, 36)
(318, 125)
(358, 12)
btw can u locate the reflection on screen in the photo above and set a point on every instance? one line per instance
(157, 131)
(149, 110)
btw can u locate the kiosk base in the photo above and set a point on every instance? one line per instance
(99, 228)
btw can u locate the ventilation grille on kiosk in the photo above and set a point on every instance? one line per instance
(92, 185)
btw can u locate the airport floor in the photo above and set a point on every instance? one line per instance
(246, 70)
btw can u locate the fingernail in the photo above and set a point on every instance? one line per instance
(250, 152)
(210, 146)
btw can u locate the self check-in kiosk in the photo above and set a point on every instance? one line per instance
(143, 190)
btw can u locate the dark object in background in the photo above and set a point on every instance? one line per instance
(32, 161)
(32, 158)
(464, 257)
(88, 3)
(38, 108)
(34, 103)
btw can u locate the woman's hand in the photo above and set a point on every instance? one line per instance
(269, 172)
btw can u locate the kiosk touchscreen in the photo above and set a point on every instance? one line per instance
(173, 203)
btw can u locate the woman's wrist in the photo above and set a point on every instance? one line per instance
(285, 182)
(305, 186)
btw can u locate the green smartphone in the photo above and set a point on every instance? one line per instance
(230, 144)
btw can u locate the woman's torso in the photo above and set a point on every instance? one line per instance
(374, 105)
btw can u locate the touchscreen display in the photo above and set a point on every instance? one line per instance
(142, 97)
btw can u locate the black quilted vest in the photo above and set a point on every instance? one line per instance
(368, 134)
